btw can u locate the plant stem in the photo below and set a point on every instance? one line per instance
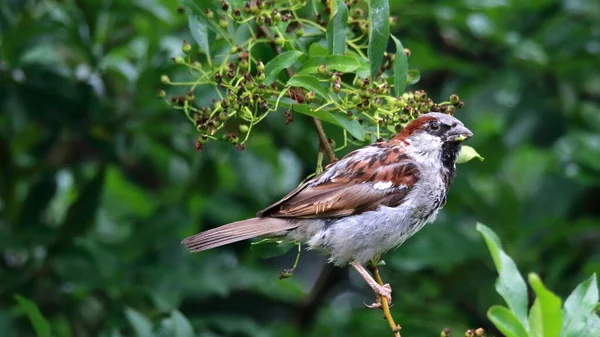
(384, 304)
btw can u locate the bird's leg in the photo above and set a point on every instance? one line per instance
(380, 289)
(384, 303)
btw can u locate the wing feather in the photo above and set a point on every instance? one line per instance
(380, 174)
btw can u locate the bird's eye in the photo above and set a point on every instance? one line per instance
(434, 126)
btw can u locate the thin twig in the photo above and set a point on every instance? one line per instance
(325, 146)
(384, 304)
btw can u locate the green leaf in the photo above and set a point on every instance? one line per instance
(316, 50)
(591, 326)
(141, 325)
(308, 82)
(319, 114)
(181, 325)
(379, 32)
(199, 32)
(336, 30)
(39, 322)
(341, 63)
(414, 75)
(352, 126)
(400, 68)
(280, 62)
(466, 154)
(580, 304)
(268, 248)
(81, 213)
(38, 198)
(197, 9)
(545, 316)
(510, 284)
(506, 322)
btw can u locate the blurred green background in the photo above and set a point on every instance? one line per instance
(99, 179)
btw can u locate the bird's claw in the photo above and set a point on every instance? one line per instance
(385, 291)
(381, 291)
(376, 305)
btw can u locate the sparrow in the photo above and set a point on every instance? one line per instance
(365, 204)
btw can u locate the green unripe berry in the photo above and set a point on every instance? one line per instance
(260, 76)
(279, 40)
(355, 99)
(244, 128)
(179, 60)
(260, 66)
(209, 14)
(336, 87)
(186, 48)
(203, 139)
(322, 69)
(309, 97)
(223, 116)
(357, 13)
(243, 64)
(161, 93)
(223, 23)
(276, 18)
(364, 28)
(299, 32)
(165, 79)
(375, 104)
(190, 96)
(454, 99)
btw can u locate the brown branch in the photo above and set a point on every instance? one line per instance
(325, 146)
(384, 304)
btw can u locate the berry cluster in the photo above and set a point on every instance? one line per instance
(248, 91)
(469, 333)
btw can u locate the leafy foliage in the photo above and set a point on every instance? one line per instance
(354, 90)
(78, 82)
(545, 318)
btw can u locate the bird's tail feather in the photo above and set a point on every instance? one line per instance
(236, 231)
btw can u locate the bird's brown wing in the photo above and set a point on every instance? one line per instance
(361, 181)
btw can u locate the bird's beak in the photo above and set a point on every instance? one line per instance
(458, 134)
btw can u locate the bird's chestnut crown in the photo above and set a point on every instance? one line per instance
(446, 127)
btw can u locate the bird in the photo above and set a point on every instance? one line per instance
(365, 204)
